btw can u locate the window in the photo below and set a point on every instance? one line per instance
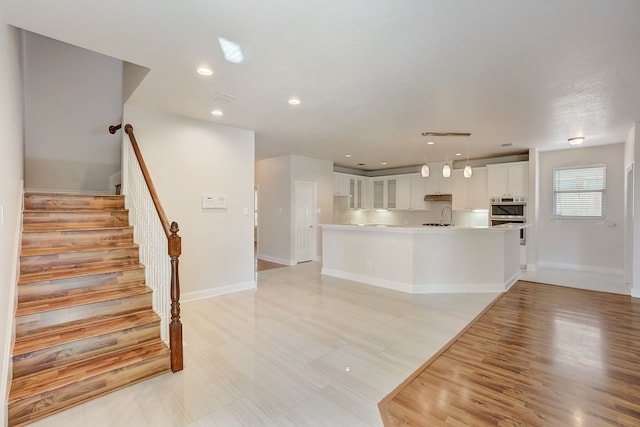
(579, 192)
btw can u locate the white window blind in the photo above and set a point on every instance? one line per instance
(579, 192)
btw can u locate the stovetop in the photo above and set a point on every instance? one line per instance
(436, 224)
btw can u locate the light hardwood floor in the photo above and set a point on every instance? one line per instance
(262, 265)
(302, 350)
(540, 356)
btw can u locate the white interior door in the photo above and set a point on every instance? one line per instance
(306, 221)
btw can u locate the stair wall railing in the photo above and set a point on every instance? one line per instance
(157, 239)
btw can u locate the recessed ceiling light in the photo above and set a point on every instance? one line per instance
(384, 163)
(217, 113)
(347, 155)
(362, 164)
(430, 143)
(507, 144)
(294, 101)
(577, 140)
(204, 71)
(232, 51)
(458, 154)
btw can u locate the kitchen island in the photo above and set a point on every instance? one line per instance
(423, 259)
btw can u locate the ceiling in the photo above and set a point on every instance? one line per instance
(372, 75)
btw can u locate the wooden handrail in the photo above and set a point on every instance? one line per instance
(114, 129)
(174, 252)
(128, 129)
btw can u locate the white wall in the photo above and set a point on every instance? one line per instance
(273, 180)
(632, 232)
(592, 246)
(72, 96)
(11, 174)
(187, 158)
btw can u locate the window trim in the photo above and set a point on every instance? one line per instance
(603, 207)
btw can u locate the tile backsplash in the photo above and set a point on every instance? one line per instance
(343, 215)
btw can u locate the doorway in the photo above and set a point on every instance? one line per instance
(306, 221)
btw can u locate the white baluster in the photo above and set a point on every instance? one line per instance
(149, 235)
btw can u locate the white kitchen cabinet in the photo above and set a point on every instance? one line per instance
(508, 179)
(418, 185)
(403, 191)
(470, 193)
(357, 193)
(435, 183)
(341, 184)
(460, 191)
(378, 193)
(478, 196)
(353, 186)
(385, 192)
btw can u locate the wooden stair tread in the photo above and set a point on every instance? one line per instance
(68, 249)
(27, 293)
(74, 211)
(96, 228)
(38, 306)
(114, 228)
(54, 275)
(44, 330)
(48, 380)
(43, 201)
(78, 330)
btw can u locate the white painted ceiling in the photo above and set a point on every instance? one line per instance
(373, 74)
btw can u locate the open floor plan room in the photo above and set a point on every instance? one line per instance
(311, 350)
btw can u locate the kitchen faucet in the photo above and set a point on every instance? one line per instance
(450, 214)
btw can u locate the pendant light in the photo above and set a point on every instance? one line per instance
(467, 169)
(446, 169)
(425, 168)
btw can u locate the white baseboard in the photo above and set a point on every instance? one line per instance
(289, 262)
(9, 334)
(635, 293)
(581, 279)
(424, 289)
(582, 268)
(214, 292)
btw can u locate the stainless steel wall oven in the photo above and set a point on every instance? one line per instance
(505, 210)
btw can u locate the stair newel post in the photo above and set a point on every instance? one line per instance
(175, 327)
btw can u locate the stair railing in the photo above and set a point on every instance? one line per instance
(152, 227)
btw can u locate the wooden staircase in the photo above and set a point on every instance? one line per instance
(84, 321)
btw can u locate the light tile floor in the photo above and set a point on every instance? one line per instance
(301, 350)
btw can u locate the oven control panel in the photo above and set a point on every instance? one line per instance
(515, 199)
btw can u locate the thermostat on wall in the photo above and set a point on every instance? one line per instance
(214, 201)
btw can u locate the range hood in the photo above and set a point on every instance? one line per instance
(438, 198)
